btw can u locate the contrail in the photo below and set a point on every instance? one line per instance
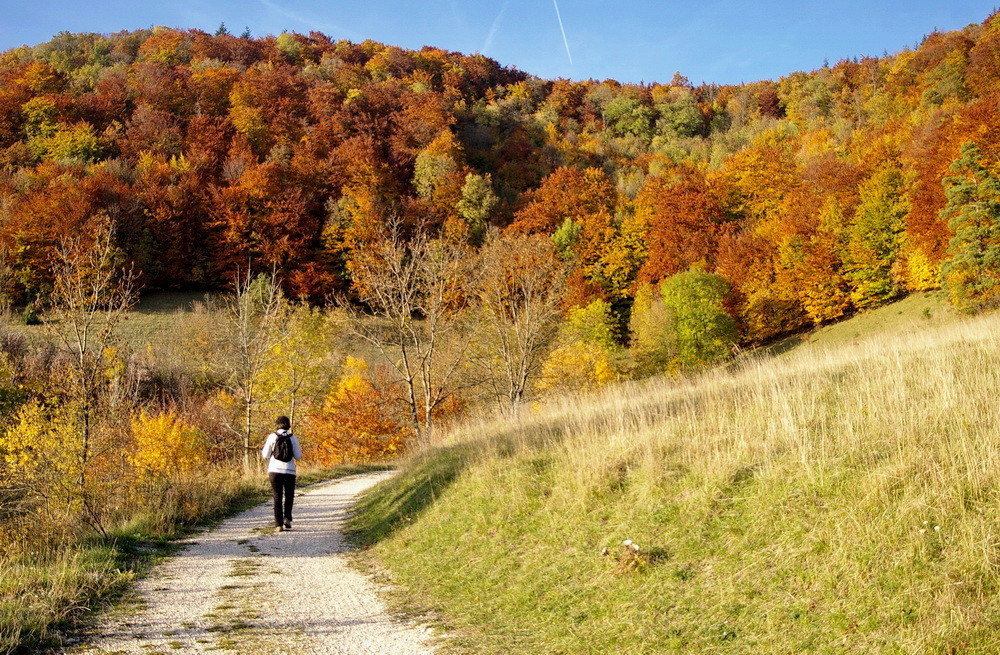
(563, 29)
(493, 28)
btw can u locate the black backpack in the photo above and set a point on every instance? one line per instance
(283, 448)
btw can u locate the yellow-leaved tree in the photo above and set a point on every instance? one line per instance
(302, 355)
(41, 450)
(587, 355)
(65, 441)
(875, 238)
(165, 444)
(244, 347)
(652, 325)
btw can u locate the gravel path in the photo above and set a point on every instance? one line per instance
(241, 588)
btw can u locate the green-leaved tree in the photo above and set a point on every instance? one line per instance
(705, 331)
(477, 204)
(875, 237)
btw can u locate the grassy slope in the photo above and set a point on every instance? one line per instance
(168, 324)
(160, 318)
(163, 323)
(917, 312)
(840, 498)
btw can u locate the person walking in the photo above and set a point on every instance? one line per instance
(282, 447)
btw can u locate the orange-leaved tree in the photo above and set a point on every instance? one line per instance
(683, 218)
(361, 420)
(577, 206)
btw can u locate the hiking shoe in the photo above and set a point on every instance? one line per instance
(279, 528)
(288, 525)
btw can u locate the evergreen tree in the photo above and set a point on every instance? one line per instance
(972, 272)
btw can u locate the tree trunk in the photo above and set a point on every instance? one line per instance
(247, 428)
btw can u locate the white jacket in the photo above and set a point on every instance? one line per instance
(276, 465)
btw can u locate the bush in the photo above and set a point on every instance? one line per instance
(360, 420)
(30, 315)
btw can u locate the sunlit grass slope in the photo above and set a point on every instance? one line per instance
(839, 499)
(918, 312)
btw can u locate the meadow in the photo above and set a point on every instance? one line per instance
(515, 514)
(841, 497)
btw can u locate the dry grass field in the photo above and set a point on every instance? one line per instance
(842, 497)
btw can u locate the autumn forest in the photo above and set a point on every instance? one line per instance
(811, 196)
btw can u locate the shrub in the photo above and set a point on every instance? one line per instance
(360, 420)
(165, 445)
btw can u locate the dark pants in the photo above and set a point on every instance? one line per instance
(282, 483)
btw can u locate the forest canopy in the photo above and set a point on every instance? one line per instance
(810, 196)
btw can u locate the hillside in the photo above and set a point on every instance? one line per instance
(916, 313)
(401, 240)
(834, 499)
(813, 196)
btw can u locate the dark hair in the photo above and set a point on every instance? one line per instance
(282, 423)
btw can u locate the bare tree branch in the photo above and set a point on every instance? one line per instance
(418, 293)
(246, 339)
(519, 292)
(92, 294)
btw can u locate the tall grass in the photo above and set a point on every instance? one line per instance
(831, 500)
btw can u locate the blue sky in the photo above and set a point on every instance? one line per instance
(722, 41)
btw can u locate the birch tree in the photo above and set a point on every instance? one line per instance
(417, 292)
(519, 291)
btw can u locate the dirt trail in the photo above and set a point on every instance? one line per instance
(242, 589)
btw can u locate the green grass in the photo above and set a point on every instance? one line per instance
(160, 318)
(424, 479)
(838, 499)
(915, 313)
(44, 597)
(163, 325)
